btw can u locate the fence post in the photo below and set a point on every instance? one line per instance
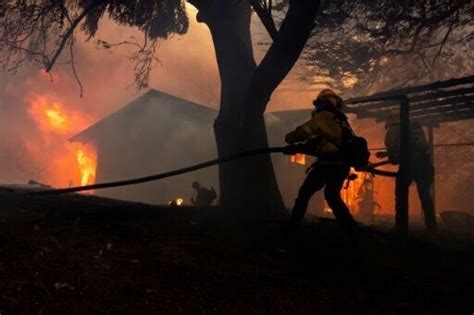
(402, 180)
(433, 185)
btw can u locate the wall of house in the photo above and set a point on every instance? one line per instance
(157, 140)
(115, 163)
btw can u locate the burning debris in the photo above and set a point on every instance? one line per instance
(351, 188)
(179, 202)
(366, 201)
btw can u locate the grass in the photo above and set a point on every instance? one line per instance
(83, 254)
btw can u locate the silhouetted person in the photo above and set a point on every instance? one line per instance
(365, 196)
(421, 164)
(204, 196)
(323, 134)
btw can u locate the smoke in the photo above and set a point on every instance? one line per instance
(29, 149)
(187, 69)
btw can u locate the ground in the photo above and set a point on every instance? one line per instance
(84, 254)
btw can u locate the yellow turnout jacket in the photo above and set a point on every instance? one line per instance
(324, 130)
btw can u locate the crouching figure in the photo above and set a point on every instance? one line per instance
(204, 196)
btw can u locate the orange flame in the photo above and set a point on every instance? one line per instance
(56, 118)
(350, 191)
(349, 194)
(87, 167)
(69, 164)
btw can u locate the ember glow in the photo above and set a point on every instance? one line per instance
(55, 118)
(178, 202)
(298, 159)
(67, 164)
(351, 191)
(350, 194)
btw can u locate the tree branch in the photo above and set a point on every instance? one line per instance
(282, 55)
(265, 16)
(73, 67)
(445, 39)
(68, 34)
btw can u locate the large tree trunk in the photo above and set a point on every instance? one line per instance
(250, 184)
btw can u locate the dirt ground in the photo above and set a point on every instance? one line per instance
(90, 255)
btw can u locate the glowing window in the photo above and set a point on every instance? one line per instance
(298, 158)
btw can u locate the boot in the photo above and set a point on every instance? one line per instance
(296, 216)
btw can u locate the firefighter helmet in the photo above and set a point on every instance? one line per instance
(331, 97)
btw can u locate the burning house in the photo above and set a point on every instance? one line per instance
(159, 132)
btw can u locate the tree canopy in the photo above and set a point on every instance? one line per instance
(352, 41)
(359, 43)
(38, 31)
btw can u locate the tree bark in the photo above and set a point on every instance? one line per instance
(250, 185)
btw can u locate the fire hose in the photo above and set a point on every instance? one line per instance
(133, 181)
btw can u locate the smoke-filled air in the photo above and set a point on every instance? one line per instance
(236, 156)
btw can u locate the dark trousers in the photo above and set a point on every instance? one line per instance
(331, 178)
(422, 173)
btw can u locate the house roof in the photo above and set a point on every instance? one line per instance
(295, 115)
(140, 106)
(152, 101)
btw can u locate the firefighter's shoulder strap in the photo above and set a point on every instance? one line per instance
(354, 148)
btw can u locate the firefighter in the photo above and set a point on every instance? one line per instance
(204, 196)
(421, 164)
(323, 134)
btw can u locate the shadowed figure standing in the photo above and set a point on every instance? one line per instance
(365, 198)
(324, 136)
(204, 196)
(421, 164)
